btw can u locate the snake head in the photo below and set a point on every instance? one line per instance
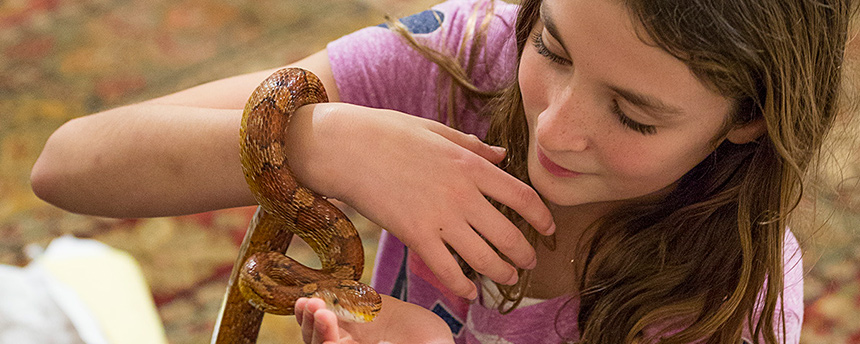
(350, 300)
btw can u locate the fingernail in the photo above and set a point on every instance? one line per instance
(513, 279)
(500, 150)
(532, 265)
(473, 295)
(551, 229)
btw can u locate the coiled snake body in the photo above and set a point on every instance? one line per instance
(268, 279)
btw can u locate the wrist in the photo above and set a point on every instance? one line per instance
(312, 148)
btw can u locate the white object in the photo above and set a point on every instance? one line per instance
(78, 291)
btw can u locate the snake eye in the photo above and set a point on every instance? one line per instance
(335, 302)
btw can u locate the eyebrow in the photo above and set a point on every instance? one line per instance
(550, 26)
(635, 98)
(646, 101)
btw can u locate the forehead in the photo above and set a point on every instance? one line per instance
(609, 47)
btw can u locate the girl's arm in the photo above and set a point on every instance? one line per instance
(143, 160)
(424, 182)
(178, 154)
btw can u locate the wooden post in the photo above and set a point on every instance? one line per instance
(239, 322)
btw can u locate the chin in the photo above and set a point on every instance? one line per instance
(552, 191)
(578, 191)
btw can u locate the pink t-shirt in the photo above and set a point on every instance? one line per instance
(374, 67)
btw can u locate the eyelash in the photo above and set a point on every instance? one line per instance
(537, 41)
(643, 129)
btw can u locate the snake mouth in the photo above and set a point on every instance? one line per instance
(346, 315)
(351, 301)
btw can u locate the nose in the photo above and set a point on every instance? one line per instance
(564, 126)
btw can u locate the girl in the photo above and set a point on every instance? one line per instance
(659, 146)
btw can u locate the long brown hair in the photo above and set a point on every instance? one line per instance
(781, 61)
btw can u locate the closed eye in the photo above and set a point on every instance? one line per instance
(628, 122)
(537, 41)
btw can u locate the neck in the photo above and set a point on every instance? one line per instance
(572, 221)
(555, 273)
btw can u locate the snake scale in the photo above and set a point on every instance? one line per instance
(264, 276)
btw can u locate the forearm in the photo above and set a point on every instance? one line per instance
(176, 154)
(144, 160)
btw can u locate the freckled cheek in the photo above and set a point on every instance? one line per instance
(623, 160)
(532, 88)
(632, 162)
(648, 169)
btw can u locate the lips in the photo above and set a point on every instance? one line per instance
(554, 168)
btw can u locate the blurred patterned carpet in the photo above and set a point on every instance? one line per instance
(65, 59)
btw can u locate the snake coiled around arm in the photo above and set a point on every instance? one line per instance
(268, 279)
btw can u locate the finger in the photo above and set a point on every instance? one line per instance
(300, 308)
(439, 260)
(308, 326)
(325, 327)
(510, 191)
(471, 142)
(478, 254)
(504, 235)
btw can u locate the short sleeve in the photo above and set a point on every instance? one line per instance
(793, 293)
(792, 296)
(791, 303)
(375, 66)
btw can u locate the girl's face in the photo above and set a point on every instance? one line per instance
(610, 117)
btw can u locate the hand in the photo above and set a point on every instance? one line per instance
(397, 322)
(424, 182)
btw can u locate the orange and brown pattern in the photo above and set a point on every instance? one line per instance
(268, 280)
